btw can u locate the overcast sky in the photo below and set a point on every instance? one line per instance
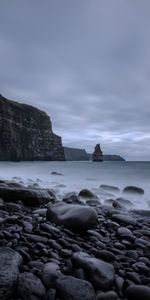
(87, 64)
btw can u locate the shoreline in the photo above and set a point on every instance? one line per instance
(71, 249)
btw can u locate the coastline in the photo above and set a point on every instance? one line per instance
(76, 248)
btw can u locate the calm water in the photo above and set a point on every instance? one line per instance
(78, 175)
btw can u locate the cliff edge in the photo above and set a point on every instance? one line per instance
(26, 134)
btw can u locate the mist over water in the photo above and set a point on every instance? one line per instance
(75, 176)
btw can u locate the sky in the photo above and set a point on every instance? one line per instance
(87, 64)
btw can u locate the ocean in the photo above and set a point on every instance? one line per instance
(74, 176)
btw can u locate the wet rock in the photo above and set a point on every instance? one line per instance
(125, 202)
(111, 295)
(71, 197)
(147, 251)
(30, 287)
(87, 194)
(138, 292)
(10, 261)
(100, 273)
(125, 219)
(125, 233)
(56, 173)
(71, 288)
(72, 216)
(50, 274)
(134, 190)
(141, 212)
(110, 188)
(29, 197)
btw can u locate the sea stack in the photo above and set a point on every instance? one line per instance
(26, 134)
(97, 154)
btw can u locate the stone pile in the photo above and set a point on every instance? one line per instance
(71, 250)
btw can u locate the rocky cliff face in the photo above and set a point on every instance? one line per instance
(113, 157)
(74, 154)
(26, 133)
(97, 154)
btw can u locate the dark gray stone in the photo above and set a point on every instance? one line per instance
(138, 292)
(50, 274)
(110, 188)
(30, 287)
(100, 273)
(30, 197)
(71, 288)
(87, 194)
(10, 261)
(125, 219)
(72, 216)
(133, 189)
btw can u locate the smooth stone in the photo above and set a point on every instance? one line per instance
(50, 273)
(111, 295)
(125, 233)
(87, 194)
(125, 202)
(126, 219)
(13, 207)
(10, 261)
(30, 197)
(71, 288)
(133, 189)
(147, 251)
(30, 287)
(72, 216)
(73, 197)
(141, 212)
(110, 188)
(138, 292)
(40, 212)
(56, 173)
(100, 273)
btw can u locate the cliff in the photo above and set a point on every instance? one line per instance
(109, 157)
(113, 157)
(26, 133)
(74, 154)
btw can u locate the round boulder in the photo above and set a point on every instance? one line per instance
(137, 292)
(70, 288)
(72, 216)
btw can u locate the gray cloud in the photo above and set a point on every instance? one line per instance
(86, 63)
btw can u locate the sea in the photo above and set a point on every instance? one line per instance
(68, 176)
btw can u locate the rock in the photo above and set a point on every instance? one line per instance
(50, 273)
(10, 261)
(97, 154)
(71, 198)
(125, 202)
(147, 251)
(125, 233)
(137, 292)
(99, 273)
(125, 219)
(71, 288)
(133, 189)
(110, 188)
(56, 173)
(111, 295)
(30, 287)
(72, 216)
(87, 194)
(26, 133)
(141, 212)
(30, 197)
